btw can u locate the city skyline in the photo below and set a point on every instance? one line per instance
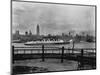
(51, 18)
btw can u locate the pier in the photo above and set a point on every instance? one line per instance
(82, 55)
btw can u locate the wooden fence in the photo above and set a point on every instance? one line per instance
(79, 54)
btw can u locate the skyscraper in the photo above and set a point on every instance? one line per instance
(17, 32)
(38, 30)
(30, 33)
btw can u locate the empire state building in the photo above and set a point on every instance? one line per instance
(38, 30)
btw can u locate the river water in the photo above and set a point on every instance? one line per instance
(76, 45)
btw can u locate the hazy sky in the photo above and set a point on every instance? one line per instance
(52, 18)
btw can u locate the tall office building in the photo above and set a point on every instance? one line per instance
(17, 32)
(30, 33)
(38, 30)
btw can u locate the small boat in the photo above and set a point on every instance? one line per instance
(45, 42)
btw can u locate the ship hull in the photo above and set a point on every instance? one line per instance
(46, 43)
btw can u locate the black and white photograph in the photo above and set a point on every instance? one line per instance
(52, 37)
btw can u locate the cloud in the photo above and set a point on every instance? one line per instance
(52, 18)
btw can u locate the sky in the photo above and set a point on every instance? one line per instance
(52, 18)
